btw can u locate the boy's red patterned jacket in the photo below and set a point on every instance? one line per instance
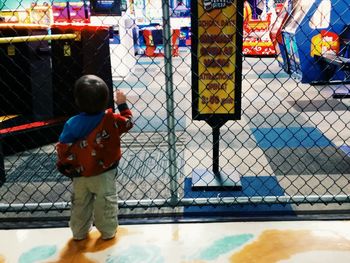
(99, 151)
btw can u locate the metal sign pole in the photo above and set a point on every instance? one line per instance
(2, 165)
(216, 150)
(216, 79)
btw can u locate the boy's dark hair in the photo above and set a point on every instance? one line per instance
(91, 94)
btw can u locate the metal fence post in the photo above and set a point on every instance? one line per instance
(170, 101)
(2, 165)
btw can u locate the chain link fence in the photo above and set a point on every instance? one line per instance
(290, 148)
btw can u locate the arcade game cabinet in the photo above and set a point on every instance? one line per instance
(70, 11)
(26, 92)
(106, 8)
(25, 73)
(88, 53)
(311, 33)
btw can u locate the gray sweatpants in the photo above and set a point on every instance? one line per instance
(94, 200)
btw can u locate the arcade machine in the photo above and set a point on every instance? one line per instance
(107, 8)
(26, 91)
(36, 96)
(312, 34)
(71, 11)
(60, 12)
(276, 33)
(153, 37)
(148, 17)
(79, 12)
(256, 37)
(87, 53)
(25, 73)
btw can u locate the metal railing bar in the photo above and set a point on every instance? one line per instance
(6, 40)
(217, 201)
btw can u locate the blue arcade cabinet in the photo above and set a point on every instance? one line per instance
(312, 31)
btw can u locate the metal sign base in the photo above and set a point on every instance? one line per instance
(339, 95)
(342, 92)
(223, 181)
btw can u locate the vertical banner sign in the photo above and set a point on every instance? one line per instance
(216, 60)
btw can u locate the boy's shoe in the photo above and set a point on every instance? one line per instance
(108, 237)
(79, 238)
(84, 237)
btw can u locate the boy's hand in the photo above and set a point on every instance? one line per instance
(119, 97)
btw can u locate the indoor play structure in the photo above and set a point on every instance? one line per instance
(316, 40)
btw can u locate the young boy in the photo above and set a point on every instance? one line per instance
(89, 151)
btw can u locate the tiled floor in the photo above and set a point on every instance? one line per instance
(242, 242)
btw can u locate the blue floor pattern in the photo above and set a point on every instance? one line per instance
(301, 151)
(251, 186)
(292, 137)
